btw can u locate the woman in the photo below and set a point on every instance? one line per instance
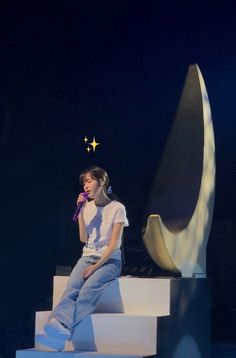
(101, 222)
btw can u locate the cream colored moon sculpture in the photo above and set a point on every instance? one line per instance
(180, 206)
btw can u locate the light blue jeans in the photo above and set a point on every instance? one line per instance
(81, 295)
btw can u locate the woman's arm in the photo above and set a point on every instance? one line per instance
(116, 234)
(82, 230)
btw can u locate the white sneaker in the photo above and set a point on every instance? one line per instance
(45, 343)
(56, 330)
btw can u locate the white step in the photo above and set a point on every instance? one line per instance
(131, 295)
(35, 353)
(111, 333)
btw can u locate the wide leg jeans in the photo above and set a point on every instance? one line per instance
(81, 295)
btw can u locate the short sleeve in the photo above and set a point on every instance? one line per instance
(120, 216)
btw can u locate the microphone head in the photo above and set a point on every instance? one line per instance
(85, 195)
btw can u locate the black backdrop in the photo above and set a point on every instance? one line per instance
(114, 72)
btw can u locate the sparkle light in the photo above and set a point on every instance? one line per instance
(94, 144)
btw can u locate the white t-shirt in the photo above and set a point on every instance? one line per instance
(99, 221)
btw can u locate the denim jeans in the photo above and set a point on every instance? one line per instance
(81, 295)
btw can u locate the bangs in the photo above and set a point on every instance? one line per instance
(96, 173)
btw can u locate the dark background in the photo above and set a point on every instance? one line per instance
(113, 70)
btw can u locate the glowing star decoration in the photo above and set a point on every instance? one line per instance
(94, 144)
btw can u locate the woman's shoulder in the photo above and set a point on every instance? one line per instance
(116, 204)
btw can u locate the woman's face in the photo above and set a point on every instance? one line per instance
(91, 186)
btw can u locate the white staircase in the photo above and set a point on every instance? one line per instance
(124, 323)
(138, 317)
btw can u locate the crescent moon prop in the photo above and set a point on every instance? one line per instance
(180, 206)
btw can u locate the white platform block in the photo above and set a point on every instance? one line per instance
(117, 333)
(131, 295)
(111, 333)
(35, 353)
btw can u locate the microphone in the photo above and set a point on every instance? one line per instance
(77, 211)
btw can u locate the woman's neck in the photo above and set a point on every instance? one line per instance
(102, 200)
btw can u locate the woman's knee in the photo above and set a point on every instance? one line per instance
(71, 293)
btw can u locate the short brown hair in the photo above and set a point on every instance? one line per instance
(96, 173)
